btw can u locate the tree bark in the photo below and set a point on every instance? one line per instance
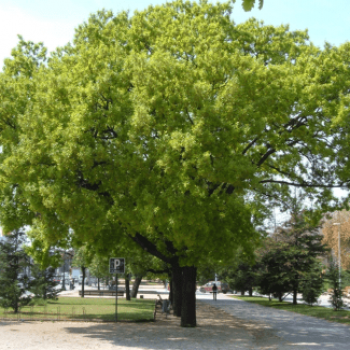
(176, 272)
(16, 263)
(188, 309)
(242, 292)
(250, 291)
(295, 292)
(98, 283)
(171, 299)
(135, 286)
(127, 286)
(83, 281)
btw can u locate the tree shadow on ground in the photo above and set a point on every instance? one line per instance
(215, 330)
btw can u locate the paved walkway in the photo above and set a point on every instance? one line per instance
(286, 330)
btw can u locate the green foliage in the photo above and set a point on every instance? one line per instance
(332, 277)
(43, 285)
(312, 285)
(81, 258)
(249, 4)
(290, 258)
(14, 262)
(244, 278)
(206, 272)
(273, 277)
(43, 256)
(99, 267)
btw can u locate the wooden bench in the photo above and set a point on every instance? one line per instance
(102, 293)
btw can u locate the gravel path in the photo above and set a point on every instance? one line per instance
(216, 330)
(287, 330)
(222, 325)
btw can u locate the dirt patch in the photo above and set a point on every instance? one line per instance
(217, 321)
(216, 330)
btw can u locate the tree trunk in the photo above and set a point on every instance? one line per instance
(83, 281)
(280, 297)
(98, 283)
(295, 292)
(250, 291)
(127, 286)
(15, 306)
(135, 286)
(171, 299)
(176, 272)
(188, 309)
(242, 292)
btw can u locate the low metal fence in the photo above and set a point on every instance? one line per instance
(45, 313)
(37, 313)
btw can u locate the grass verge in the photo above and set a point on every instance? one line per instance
(340, 316)
(69, 308)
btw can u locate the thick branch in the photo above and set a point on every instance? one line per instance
(278, 170)
(94, 187)
(228, 187)
(250, 145)
(265, 156)
(149, 247)
(305, 184)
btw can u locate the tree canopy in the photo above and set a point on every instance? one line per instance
(148, 124)
(170, 127)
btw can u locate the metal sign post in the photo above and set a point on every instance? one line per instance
(116, 297)
(117, 266)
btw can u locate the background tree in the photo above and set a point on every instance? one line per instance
(170, 128)
(99, 268)
(312, 285)
(293, 254)
(301, 241)
(82, 260)
(43, 285)
(244, 279)
(274, 274)
(334, 233)
(332, 277)
(240, 274)
(14, 262)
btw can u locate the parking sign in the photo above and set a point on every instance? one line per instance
(117, 265)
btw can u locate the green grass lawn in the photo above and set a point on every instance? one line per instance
(340, 316)
(86, 308)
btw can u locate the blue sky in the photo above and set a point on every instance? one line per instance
(53, 22)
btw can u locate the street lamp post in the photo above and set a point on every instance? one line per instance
(339, 256)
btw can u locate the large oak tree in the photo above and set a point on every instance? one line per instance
(170, 128)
